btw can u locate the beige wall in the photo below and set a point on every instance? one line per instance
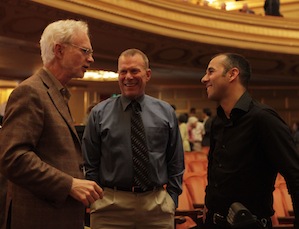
(285, 100)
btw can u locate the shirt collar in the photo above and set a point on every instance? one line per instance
(126, 101)
(56, 82)
(244, 102)
(241, 107)
(63, 90)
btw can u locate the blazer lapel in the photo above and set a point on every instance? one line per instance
(57, 99)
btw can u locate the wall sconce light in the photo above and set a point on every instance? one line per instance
(100, 75)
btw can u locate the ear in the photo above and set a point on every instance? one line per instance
(148, 74)
(58, 50)
(233, 74)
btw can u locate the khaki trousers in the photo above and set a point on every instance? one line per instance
(119, 209)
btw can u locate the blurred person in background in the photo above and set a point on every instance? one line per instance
(196, 132)
(272, 8)
(207, 122)
(183, 118)
(245, 9)
(295, 130)
(2, 110)
(223, 6)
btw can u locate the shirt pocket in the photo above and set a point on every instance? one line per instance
(157, 138)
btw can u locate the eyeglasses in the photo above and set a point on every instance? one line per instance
(86, 51)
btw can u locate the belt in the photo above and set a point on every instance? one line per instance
(222, 221)
(135, 189)
(219, 220)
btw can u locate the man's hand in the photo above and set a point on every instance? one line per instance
(86, 191)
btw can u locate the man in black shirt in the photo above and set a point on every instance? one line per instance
(250, 144)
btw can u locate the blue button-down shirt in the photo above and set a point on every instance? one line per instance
(107, 150)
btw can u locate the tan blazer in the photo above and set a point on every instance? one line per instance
(40, 152)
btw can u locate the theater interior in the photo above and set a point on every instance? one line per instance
(179, 37)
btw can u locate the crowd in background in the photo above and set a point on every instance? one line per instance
(271, 7)
(195, 129)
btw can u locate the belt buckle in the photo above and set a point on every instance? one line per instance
(264, 222)
(136, 189)
(216, 218)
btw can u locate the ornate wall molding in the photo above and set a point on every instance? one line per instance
(199, 24)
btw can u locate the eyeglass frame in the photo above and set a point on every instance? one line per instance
(86, 51)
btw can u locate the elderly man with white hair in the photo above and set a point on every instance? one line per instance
(196, 131)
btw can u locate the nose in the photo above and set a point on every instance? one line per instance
(128, 75)
(204, 79)
(90, 58)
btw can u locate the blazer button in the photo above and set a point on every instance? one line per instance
(81, 167)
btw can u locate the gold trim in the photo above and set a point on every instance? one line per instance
(185, 21)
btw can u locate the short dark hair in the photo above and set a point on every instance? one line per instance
(192, 110)
(207, 111)
(183, 118)
(238, 61)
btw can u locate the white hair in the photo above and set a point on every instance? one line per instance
(59, 32)
(192, 120)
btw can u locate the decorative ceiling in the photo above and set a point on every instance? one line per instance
(178, 37)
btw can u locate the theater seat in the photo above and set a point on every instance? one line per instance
(198, 165)
(281, 217)
(185, 208)
(196, 183)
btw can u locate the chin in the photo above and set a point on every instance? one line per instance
(210, 96)
(130, 95)
(79, 77)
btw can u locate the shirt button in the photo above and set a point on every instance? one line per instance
(223, 146)
(216, 185)
(81, 167)
(220, 165)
